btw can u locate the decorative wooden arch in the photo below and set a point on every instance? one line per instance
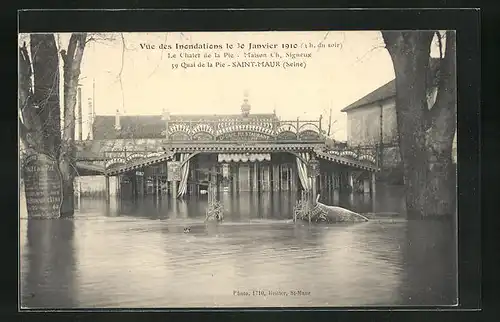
(115, 148)
(178, 127)
(154, 154)
(351, 154)
(289, 127)
(209, 136)
(286, 135)
(186, 134)
(203, 127)
(114, 161)
(308, 126)
(311, 133)
(368, 158)
(135, 156)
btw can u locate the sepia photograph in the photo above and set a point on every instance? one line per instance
(237, 169)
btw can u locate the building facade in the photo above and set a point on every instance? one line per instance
(185, 154)
(372, 123)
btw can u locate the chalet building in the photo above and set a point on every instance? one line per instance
(372, 124)
(234, 152)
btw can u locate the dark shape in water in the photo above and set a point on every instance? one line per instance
(339, 214)
(330, 214)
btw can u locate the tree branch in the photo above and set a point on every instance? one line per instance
(23, 131)
(72, 46)
(25, 84)
(391, 39)
(446, 85)
(440, 44)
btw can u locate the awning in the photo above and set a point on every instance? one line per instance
(89, 167)
(359, 164)
(243, 157)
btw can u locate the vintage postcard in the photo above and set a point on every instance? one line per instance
(237, 169)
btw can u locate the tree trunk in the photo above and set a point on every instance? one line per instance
(72, 60)
(67, 176)
(39, 127)
(442, 174)
(425, 136)
(46, 90)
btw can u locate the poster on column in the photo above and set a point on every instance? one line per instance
(174, 171)
(261, 114)
(42, 186)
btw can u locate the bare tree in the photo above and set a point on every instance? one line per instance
(72, 59)
(425, 133)
(39, 104)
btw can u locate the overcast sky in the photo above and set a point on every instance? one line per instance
(334, 77)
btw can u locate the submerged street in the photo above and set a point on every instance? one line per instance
(137, 254)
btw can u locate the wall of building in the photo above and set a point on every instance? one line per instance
(364, 124)
(95, 186)
(389, 121)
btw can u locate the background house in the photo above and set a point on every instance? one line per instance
(371, 123)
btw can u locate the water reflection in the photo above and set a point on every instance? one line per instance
(136, 254)
(48, 276)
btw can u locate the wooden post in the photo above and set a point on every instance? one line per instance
(233, 171)
(174, 189)
(107, 187)
(79, 193)
(134, 186)
(314, 189)
(298, 136)
(255, 182)
(366, 185)
(213, 178)
(295, 174)
(373, 183)
(267, 177)
(309, 205)
(329, 123)
(157, 186)
(276, 178)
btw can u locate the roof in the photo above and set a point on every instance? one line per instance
(132, 126)
(153, 126)
(388, 90)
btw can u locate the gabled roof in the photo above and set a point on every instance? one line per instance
(384, 92)
(388, 90)
(132, 126)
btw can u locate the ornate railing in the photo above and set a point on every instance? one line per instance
(223, 129)
(371, 154)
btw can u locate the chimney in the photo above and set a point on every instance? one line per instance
(117, 121)
(245, 107)
(80, 116)
(91, 120)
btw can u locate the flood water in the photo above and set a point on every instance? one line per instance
(137, 255)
